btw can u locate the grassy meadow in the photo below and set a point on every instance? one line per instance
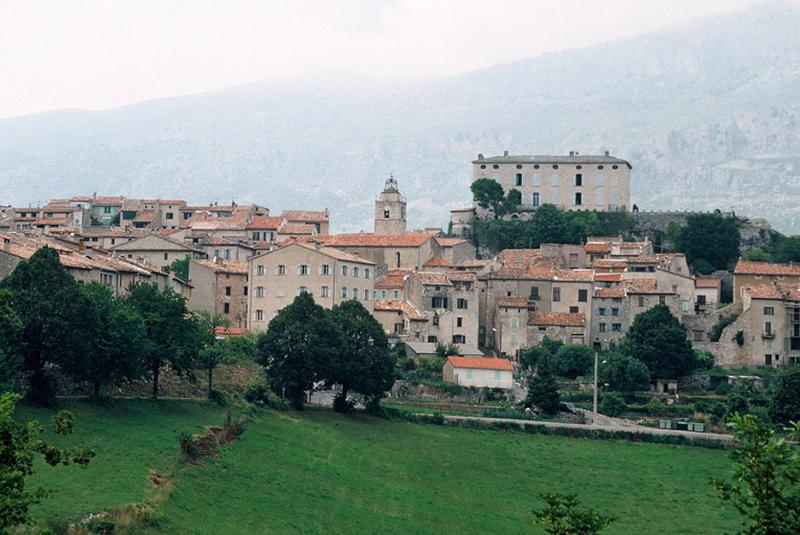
(320, 472)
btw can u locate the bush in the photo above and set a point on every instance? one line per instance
(573, 360)
(612, 404)
(256, 391)
(218, 397)
(716, 331)
(188, 445)
(100, 526)
(341, 404)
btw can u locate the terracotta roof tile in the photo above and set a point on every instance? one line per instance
(462, 276)
(556, 319)
(598, 248)
(707, 282)
(607, 277)
(437, 262)
(264, 222)
(306, 216)
(408, 239)
(229, 331)
(450, 242)
(230, 266)
(407, 308)
(481, 363)
(395, 278)
(512, 302)
(614, 292)
(744, 267)
(429, 278)
(297, 229)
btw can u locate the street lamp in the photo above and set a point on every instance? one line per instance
(594, 404)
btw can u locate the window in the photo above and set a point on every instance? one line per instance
(344, 270)
(256, 236)
(106, 209)
(768, 311)
(767, 327)
(435, 320)
(439, 302)
(534, 296)
(556, 294)
(325, 269)
(367, 273)
(600, 198)
(226, 308)
(583, 296)
(228, 291)
(768, 360)
(244, 290)
(579, 179)
(279, 292)
(601, 311)
(301, 290)
(431, 339)
(469, 374)
(170, 215)
(386, 213)
(602, 327)
(260, 270)
(518, 179)
(600, 179)
(302, 269)
(260, 291)
(344, 293)
(459, 339)
(366, 295)
(554, 197)
(701, 300)
(324, 291)
(616, 327)
(280, 269)
(513, 339)
(554, 179)
(662, 300)
(615, 312)
(461, 303)
(355, 271)
(514, 323)
(578, 199)
(397, 259)
(396, 294)
(535, 180)
(573, 310)
(259, 315)
(641, 300)
(355, 293)
(166, 256)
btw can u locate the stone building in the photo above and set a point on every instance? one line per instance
(157, 250)
(390, 210)
(571, 182)
(749, 274)
(331, 276)
(567, 327)
(221, 288)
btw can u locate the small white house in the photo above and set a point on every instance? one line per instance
(479, 372)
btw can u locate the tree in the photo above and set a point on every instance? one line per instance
(364, 363)
(511, 201)
(11, 357)
(449, 350)
(624, 374)
(573, 360)
(299, 340)
(612, 404)
(173, 336)
(543, 354)
(713, 238)
(117, 341)
(785, 403)
(19, 445)
(562, 516)
(658, 339)
(180, 268)
(51, 307)
(214, 352)
(543, 392)
(488, 194)
(765, 488)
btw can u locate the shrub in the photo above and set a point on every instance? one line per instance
(218, 397)
(100, 526)
(342, 404)
(573, 360)
(188, 445)
(724, 321)
(612, 404)
(256, 391)
(437, 419)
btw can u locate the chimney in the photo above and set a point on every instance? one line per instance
(480, 156)
(6, 244)
(572, 153)
(606, 153)
(88, 251)
(218, 260)
(505, 153)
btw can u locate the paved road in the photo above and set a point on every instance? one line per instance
(605, 423)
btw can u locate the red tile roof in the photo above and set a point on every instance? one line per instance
(395, 305)
(615, 292)
(744, 267)
(512, 302)
(785, 292)
(229, 331)
(481, 363)
(598, 248)
(306, 216)
(437, 262)
(429, 278)
(607, 277)
(297, 229)
(408, 239)
(395, 278)
(556, 319)
(707, 282)
(450, 242)
(230, 266)
(264, 222)
(645, 286)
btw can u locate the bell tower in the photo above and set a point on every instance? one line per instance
(390, 210)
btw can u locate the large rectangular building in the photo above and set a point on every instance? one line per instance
(571, 182)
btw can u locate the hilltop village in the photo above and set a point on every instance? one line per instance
(427, 287)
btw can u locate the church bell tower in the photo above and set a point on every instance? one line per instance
(390, 210)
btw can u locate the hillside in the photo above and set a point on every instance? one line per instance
(707, 118)
(321, 472)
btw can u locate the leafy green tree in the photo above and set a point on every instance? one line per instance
(531, 357)
(449, 350)
(785, 403)
(364, 363)
(561, 516)
(765, 488)
(488, 194)
(213, 352)
(757, 255)
(786, 249)
(20, 444)
(624, 374)
(612, 404)
(180, 268)
(117, 341)
(173, 335)
(299, 341)
(511, 201)
(713, 238)
(51, 307)
(573, 360)
(543, 392)
(11, 357)
(658, 339)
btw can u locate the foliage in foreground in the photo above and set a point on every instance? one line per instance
(765, 488)
(561, 516)
(19, 445)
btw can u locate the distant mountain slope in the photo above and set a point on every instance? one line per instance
(709, 116)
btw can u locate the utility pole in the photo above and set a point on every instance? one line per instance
(594, 404)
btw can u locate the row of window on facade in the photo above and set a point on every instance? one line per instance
(578, 180)
(324, 269)
(324, 291)
(577, 198)
(444, 302)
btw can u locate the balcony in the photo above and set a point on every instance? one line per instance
(768, 335)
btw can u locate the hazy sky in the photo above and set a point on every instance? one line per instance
(104, 53)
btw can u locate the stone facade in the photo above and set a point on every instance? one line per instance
(220, 288)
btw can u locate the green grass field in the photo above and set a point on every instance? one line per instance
(319, 472)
